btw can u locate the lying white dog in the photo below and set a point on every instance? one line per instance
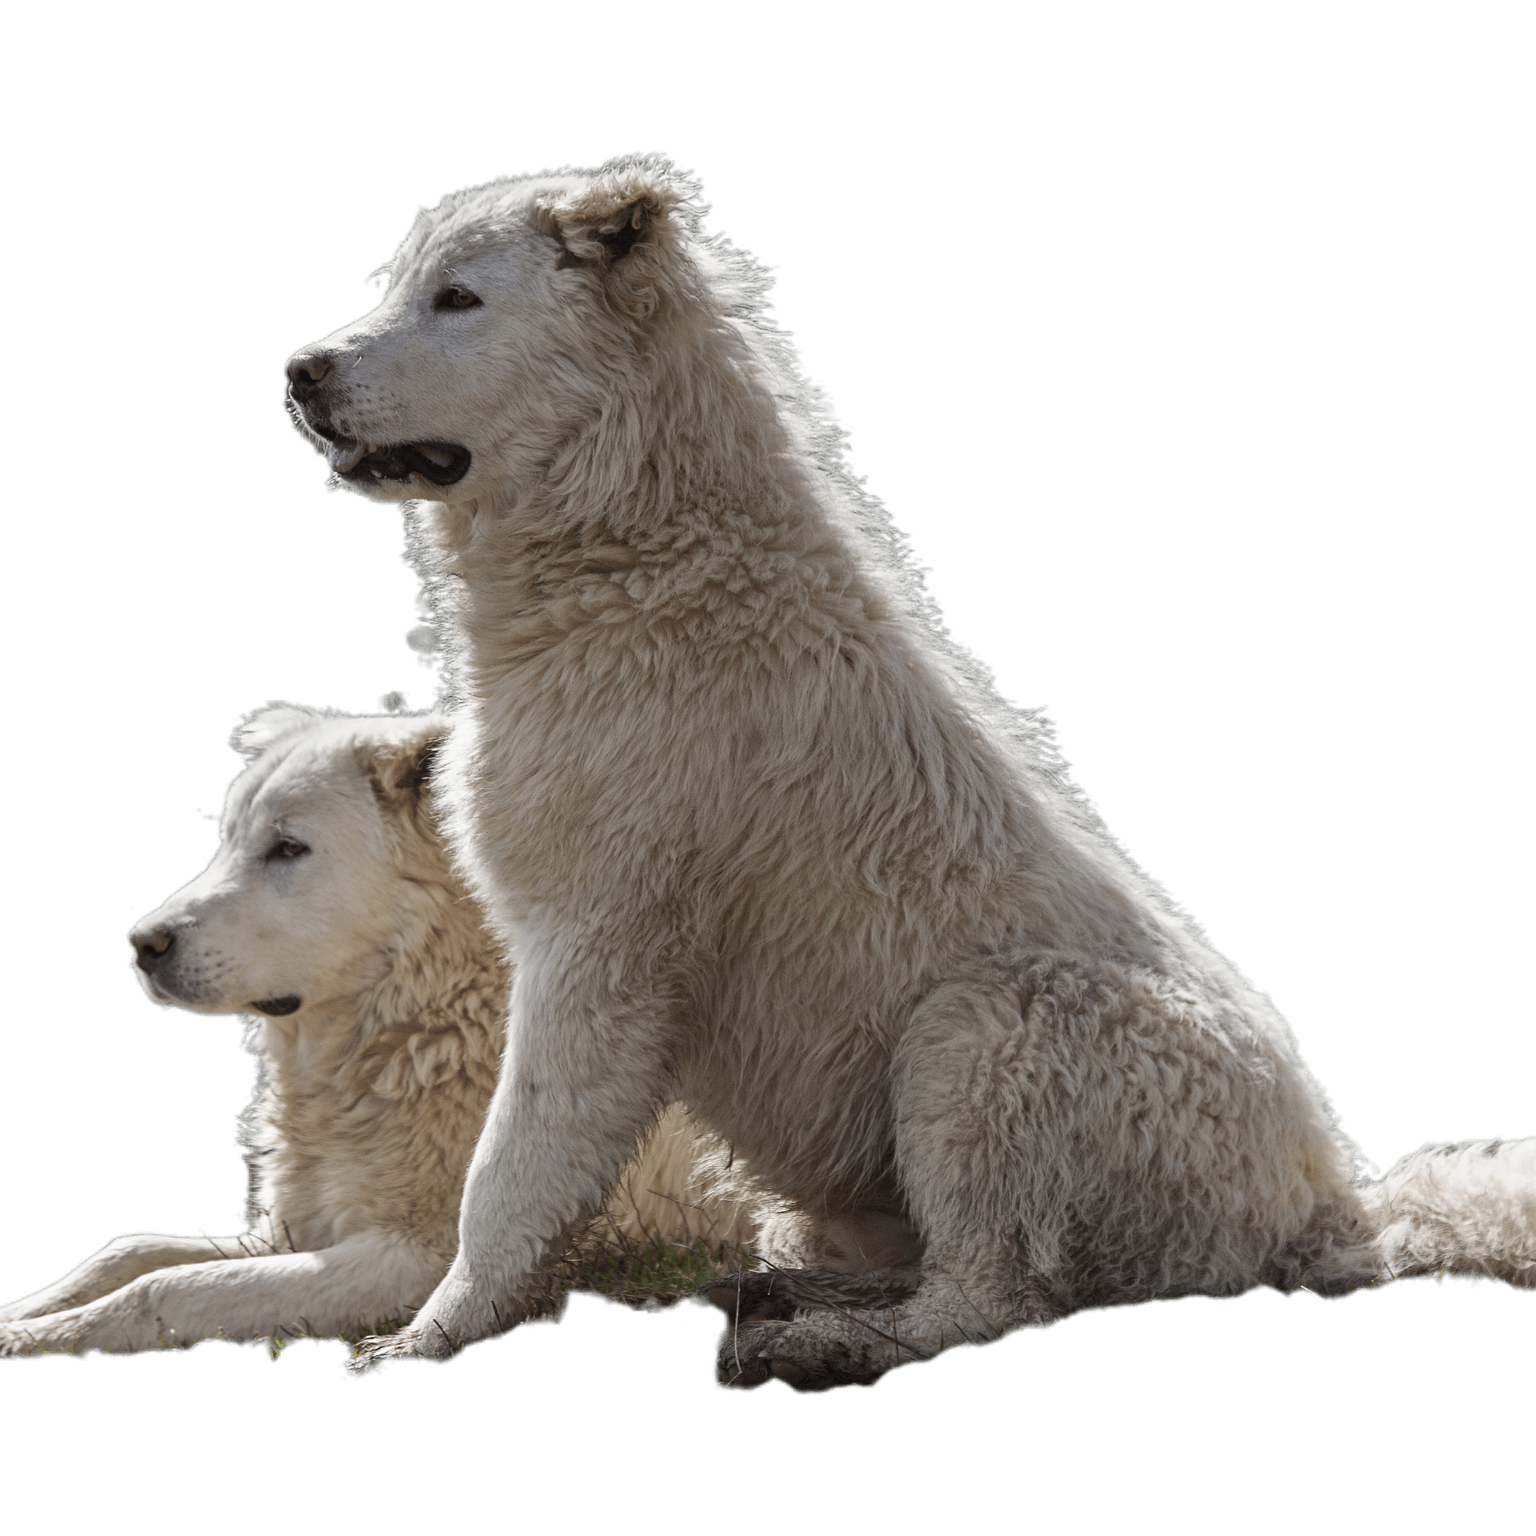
(767, 842)
(331, 910)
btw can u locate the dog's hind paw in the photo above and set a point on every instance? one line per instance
(801, 1357)
(777, 1295)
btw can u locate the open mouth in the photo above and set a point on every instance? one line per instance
(438, 463)
(277, 1007)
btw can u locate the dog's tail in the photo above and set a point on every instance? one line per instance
(1466, 1208)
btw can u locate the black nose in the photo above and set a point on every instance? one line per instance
(309, 372)
(151, 945)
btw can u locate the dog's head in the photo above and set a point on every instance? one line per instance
(323, 837)
(511, 313)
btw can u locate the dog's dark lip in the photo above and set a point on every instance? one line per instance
(438, 463)
(278, 1007)
(157, 991)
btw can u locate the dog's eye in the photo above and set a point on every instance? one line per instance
(286, 848)
(455, 298)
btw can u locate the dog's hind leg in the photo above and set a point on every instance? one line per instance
(1067, 1134)
(954, 1091)
(125, 1259)
(364, 1282)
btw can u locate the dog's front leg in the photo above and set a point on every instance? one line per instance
(585, 1073)
(125, 1259)
(363, 1282)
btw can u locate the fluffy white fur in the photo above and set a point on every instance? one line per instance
(764, 840)
(331, 907)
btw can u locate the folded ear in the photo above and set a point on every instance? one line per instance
(605, 230)
(400, 768)
(621, 226)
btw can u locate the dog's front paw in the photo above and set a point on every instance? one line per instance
(37, 1336)
(457, 1313)
(423, 1340)
(15, 1340)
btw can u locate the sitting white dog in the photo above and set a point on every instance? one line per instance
(771, 843)
(332, 910)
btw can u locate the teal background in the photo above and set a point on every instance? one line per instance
(1192, 344)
